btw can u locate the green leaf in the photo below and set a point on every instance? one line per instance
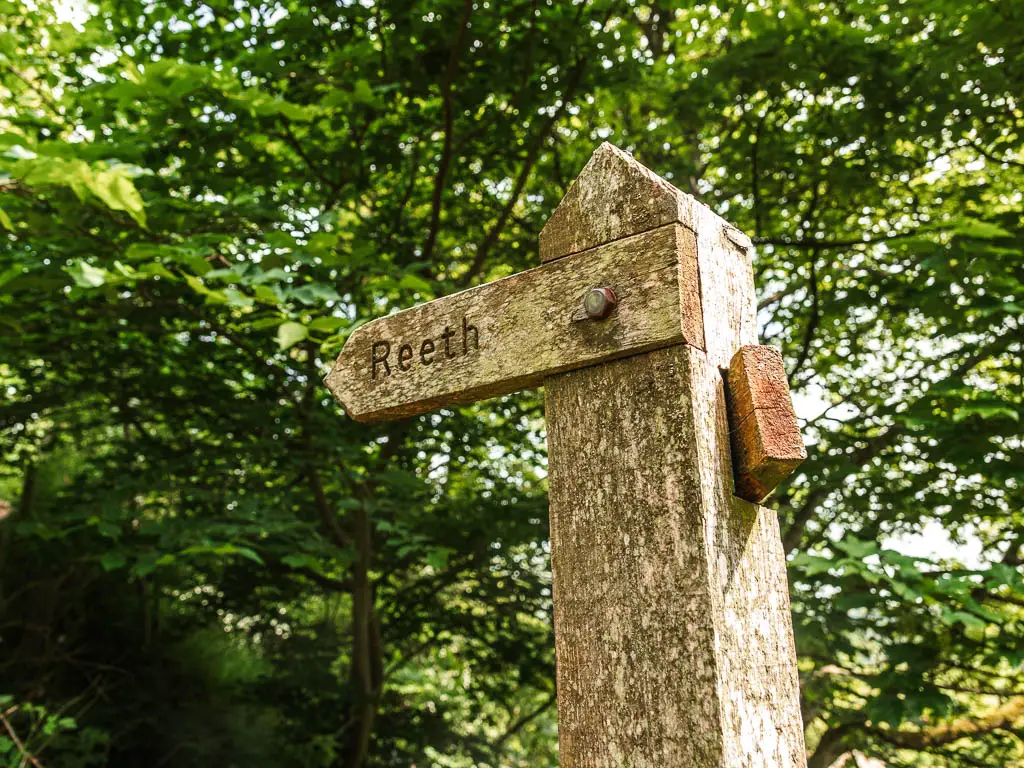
(85, 275)
(856, 548)
(336, 97)
(904, 590)
(9, 274)
(279, 239)
(811, 565)
(238, 299)
(299, 561)
(983, 230)
(985, 411)
(271, 275)
(111, 561)
(289, 334)
(196, 284)
(415, 283)
(969, 620)
(1000, 574)
(156, 269)
(11, 323)
(248, 554)
(115, 189)
(323, 241)
(311, 293)
(261, 323)
(363, 93)
(268, 294)
(5, 221)
(194, 261)
(333, 344)
(328, 323)
(146, 565)
(438, 558)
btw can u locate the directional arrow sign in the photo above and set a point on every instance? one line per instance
(510, 334)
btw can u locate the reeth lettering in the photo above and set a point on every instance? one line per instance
(430, 351)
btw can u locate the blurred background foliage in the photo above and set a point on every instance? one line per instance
(203, 562)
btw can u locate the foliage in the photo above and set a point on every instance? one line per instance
(202, 561)
(29, 729)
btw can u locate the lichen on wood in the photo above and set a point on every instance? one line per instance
(673, 633)
(510, 334)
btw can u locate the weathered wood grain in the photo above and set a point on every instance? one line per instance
(672, 623)
(756, 653)
(673, 634)
(766, 440)
(636, 668)
(727, 295)
(512, 333)
(615, 196)
(757, 379)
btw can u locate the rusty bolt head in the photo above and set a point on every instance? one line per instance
(599, 302)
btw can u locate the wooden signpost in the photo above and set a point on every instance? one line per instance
(666, 424)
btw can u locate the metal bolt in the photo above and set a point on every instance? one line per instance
(599, 302)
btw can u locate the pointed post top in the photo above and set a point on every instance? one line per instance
(616, 196)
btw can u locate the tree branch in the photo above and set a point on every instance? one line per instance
(446, 152)
(1004, 716)
(524, 173)
(1013, 551)
(812, 321)
(822, 245)
(326, 582)
(524, 721)
(327, 516)
(46, 99)
(974, 143)
(832, 745)
(776, 297)
(755, 186)
(292, 140)
(25, 754)
(873, 446)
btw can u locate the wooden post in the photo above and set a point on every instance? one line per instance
(673, 633)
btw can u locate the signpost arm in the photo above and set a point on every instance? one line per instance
(673, 632)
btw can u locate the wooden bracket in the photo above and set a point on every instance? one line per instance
(766, 442)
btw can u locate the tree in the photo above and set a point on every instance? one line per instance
(203, 561)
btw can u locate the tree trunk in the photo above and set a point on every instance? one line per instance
(366, 672)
